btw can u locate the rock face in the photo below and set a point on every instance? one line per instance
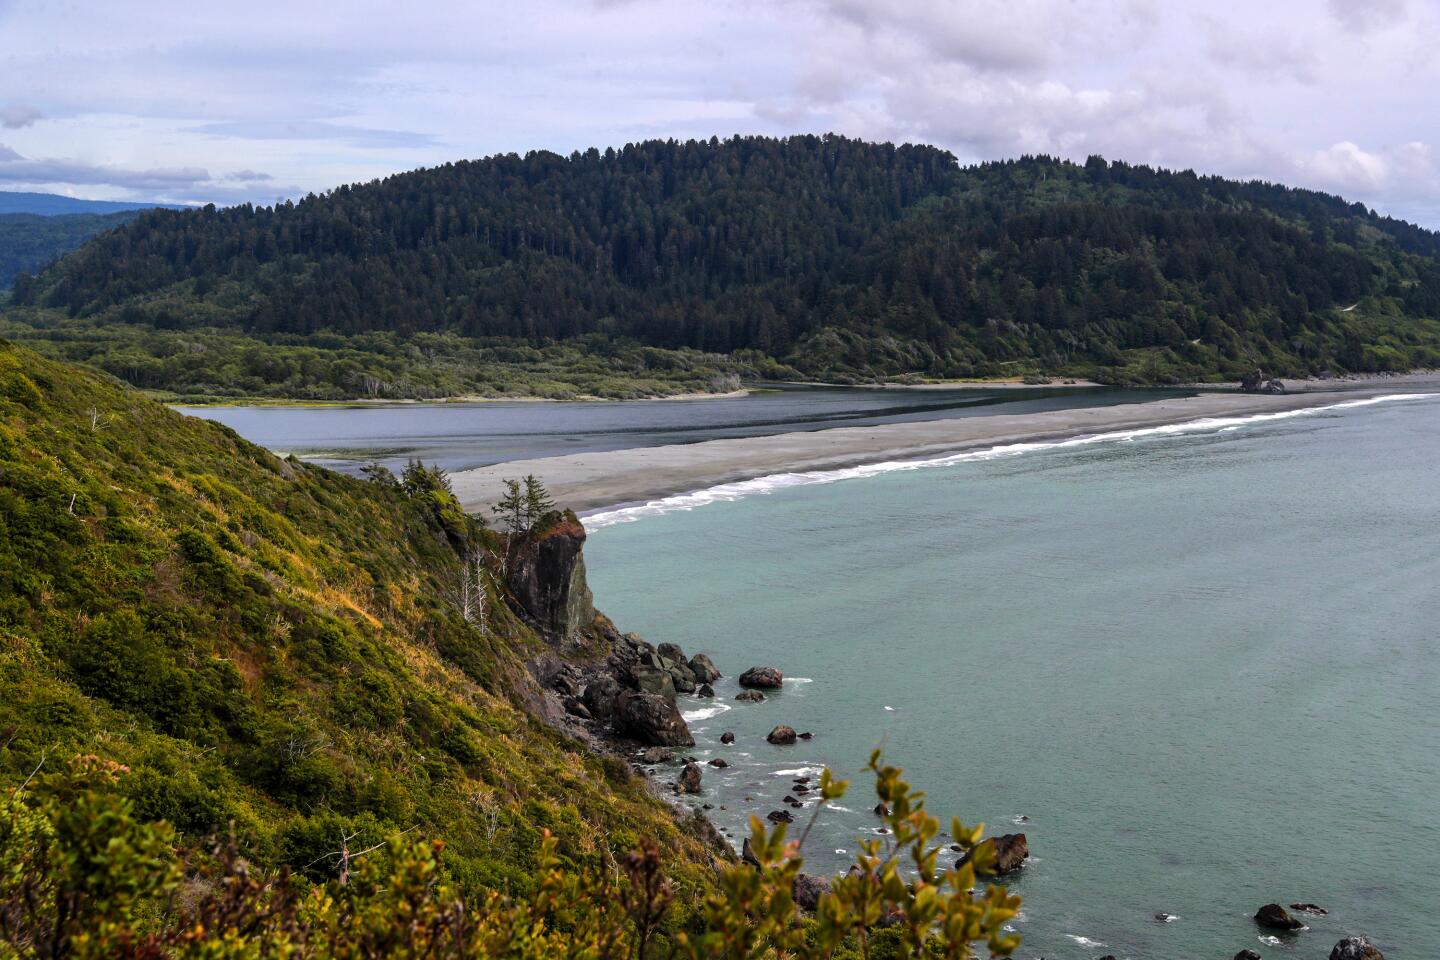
(808, 891)
(747, 855)
(547, 576)
(1272, 916)
(599, 696)
(765, 678)
(652, 680)
(689, 781)
(1011, 849)
(704, 669)
(652, 719)
(781, 735)
(1356, 948)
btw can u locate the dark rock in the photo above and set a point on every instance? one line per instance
(780, 816)
(807, 735)
(801, 780)
(657, 755)
(790, 800)
(1163, 917)
(652, 680)
(1011, 849)
(750, 696)
(652, 719)
(747, 855)
(705, 690)
(727, 737)
(801, 788)
(781, 735)
(1247, 955)
(682, 678)
(767, 678)
(1311, 908)
(808, 890)
(599, 696)
(547, 576)
(704, 669)
(689, 781)
(671, 652)
(719, 763)
(882, 810)
(576, 709)
(1272, 916)
(1356, 948)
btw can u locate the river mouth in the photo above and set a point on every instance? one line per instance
(460, 436)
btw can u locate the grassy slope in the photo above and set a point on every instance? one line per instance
(265, 642)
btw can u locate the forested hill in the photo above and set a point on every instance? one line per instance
(841, 258)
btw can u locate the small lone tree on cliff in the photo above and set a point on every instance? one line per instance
(537, 502)
(511, 509)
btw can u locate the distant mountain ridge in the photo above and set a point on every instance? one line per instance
(839, 259)
(53, 204)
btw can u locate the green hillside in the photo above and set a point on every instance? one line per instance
(29, 241)
(823, 256)
(275, 649)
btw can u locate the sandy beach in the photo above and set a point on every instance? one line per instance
(589, 481)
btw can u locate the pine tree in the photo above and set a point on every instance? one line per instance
(511, 509)
(537, 502)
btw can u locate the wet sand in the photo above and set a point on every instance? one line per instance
(589, 481)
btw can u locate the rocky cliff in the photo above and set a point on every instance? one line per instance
(547, 576)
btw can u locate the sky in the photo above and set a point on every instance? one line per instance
(260, 100)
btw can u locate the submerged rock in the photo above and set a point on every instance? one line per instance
(705, 690)
(1272, 916)
(719, 763)
(1311, 908)
(750, 696)
(704, 669)
(1247, 955)
(652, 719)
(767, 678)
(1356, 948)
(727, 737)
(780, 816)
(781, 735)
(689, 781)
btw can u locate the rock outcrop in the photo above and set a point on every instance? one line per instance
(765, 678)
(808, 890)
(749, 696)
(1247, 955)
(1356, 948)
(704, 669)
(547, 576)
(652, 719)
(1272, 916)
(727, 737)
(1011, 849)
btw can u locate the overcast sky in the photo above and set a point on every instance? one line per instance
(258, 100)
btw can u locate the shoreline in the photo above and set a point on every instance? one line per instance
(588, 482)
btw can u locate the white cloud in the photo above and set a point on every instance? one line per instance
(141, 97)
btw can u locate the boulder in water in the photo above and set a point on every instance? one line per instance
(1311, 908)
(1356, 948)
(1011, 849)
(1272, 916)
(767, 678)
(705, 690)
(719, 763)
(671, 652)
(780, 816)
(1247, 955)
(689, 781)
(781, 735)
(750, 696)
(727, 737)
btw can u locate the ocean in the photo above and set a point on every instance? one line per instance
(1202, 662)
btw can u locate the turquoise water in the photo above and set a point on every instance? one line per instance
(1204, 665)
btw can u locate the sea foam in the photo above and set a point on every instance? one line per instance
(727, 492)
